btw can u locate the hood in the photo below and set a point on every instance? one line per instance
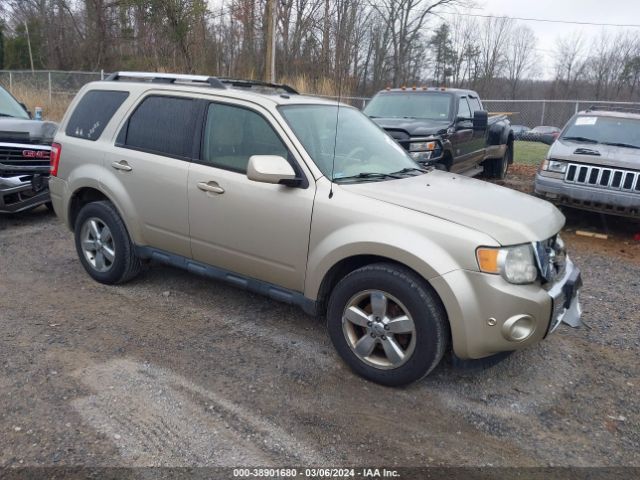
(20, 130)
(414, 127)
(596, 154)
(508, 216)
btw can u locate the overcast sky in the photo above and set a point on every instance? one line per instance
(595, 11)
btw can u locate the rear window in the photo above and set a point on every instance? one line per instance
(163, 125)
(93, 112)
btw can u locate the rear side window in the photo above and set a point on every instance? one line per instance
(93, 112)
(163, 125)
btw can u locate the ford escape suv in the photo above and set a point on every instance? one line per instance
(309, 202)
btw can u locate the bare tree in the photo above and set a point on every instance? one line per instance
(520, 57)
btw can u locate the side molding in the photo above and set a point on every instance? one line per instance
(251, 284)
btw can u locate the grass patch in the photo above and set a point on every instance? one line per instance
(529, 153)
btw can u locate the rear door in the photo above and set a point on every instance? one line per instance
(255, 229)
(151, 161)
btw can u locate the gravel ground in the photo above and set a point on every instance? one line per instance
(173, 370)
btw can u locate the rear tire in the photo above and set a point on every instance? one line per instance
(103, 244)
(393, 340)
(498, 167)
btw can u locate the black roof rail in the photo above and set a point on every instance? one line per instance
(234, 82)
(167, 78)
(613, 108)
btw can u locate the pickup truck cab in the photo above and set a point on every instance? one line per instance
(308, 202)
(446, 127)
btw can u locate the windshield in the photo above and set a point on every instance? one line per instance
(360, 146)
(424, 105)
(9, 107)
(606, 130)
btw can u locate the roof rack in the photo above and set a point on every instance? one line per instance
(258, 83)
(612, 108)
(167, 78)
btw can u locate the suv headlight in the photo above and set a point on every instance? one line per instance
(555, 166)
(516, 264)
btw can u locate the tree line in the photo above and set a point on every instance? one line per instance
(325, 46)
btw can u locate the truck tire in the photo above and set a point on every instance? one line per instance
(498, 167)
(103, 244)
(387, 324)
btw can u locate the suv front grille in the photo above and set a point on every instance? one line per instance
(603, 177)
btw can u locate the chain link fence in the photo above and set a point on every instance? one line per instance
(60, 86)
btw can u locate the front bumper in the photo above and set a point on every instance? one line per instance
(596, 199)
(23, 192)
(482, 307)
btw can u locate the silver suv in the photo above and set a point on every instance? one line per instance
(309, 202)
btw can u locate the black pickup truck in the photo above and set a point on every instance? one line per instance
(446, 127)
(25, 146)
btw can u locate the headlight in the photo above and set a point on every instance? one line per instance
(423, 146)
(515, 264)
(421, 156)
(554, 166)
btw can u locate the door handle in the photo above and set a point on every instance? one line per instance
(211, 187)
(122, 165)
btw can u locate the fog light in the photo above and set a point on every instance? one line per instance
(518, 328)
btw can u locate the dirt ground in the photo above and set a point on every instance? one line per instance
(176, 370)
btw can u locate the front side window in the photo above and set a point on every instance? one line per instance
(475, 104)
(344, 143)
(93, 112)
(233, 134)
(163, 125)
(463, 109)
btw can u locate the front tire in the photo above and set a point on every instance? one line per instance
(387, 324)
(103, 244)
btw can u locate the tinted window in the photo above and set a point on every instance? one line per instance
(475, 104)
(163, 125)
(233, 134)
(93, 112)
(463, 109)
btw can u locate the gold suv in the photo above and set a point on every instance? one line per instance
(309, 202)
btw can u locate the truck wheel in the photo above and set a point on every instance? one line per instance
(103, 244)
(498, 167)
(387, 324)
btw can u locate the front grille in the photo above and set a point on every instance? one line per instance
(21, 159)
(603, 177)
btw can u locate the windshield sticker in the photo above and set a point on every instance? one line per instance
(586, 120)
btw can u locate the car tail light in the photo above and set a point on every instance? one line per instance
(56, 150)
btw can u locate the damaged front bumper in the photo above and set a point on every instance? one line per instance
(23, 192)
(566, 298)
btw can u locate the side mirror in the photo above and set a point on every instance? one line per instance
(271, 169)
(480, 119)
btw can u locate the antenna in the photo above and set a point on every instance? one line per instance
(335, 138)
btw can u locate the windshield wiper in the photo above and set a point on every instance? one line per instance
(624, 145)
(368, 175)
(580, 139)
(409, 170)
(7, 115)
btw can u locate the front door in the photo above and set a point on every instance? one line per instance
(254, 229)
(462, 141)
